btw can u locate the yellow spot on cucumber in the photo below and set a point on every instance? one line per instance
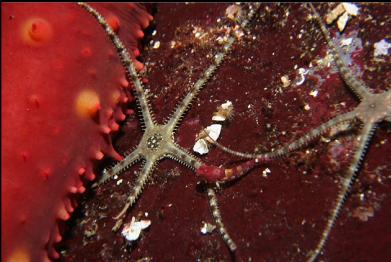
(87, 103)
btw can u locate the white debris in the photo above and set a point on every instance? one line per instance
(381, 48)
(335, 13)
(343, 12)
(233, 12)
(285, 81)
(307, 107)
(219, 118)
(302, 72)
(314, 93)
(224, 112)
(207, 228)
(266, 172)
(133, 230)
(119, 182)
(212, 132)
(156, 45)
(342, 21)
(351, 9)
(346, 41)
(201, 147)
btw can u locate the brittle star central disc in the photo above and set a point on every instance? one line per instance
(153, 142)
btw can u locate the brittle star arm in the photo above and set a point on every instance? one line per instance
(208, 73)
(354, 84)
(131, 72)
(188, 99)
(363, 142)
(118, 168)
(192, 162)
(213, 173)
(136, 190)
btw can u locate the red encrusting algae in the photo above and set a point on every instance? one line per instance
(64, 92)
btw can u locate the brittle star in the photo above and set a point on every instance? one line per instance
(373, 109)
(157, 141)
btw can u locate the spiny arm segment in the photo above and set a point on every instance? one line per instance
(136, 191)
(218, 59)
(355, 85)
(118, 168)
(213, 173)
(130, 69)
(347, 182)
(184, 157)
(219, 221)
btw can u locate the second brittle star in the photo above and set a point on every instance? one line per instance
(157, 141)
(372, 109)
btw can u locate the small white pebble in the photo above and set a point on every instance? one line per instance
(346, 41)
(351, 9)
(207, 228)
(266, 172)
(201, 147)
(303, 71)
(119, 182)
(342, 21)
(156, 45)
(314, 93)
(307, 107)
(285, 81)
(381, 48)
(133, 230)
(233, 11)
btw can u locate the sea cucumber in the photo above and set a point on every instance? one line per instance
(64, 92)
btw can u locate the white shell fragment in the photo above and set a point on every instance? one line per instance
(214, 131)
(156, 45)
(202, 144)
(201, 147)
(223, 112)
(351, 9)
(285, 81)
(266, 172)
(219, 118)
(207, 228)
(335, 13)
(233, 11)
(381, 48)
(342, 21)
(314, 93)
(343, 11)
(302, 72)
(132, 230)
(346, 41)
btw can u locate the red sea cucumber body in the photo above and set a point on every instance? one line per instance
(63, 94)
